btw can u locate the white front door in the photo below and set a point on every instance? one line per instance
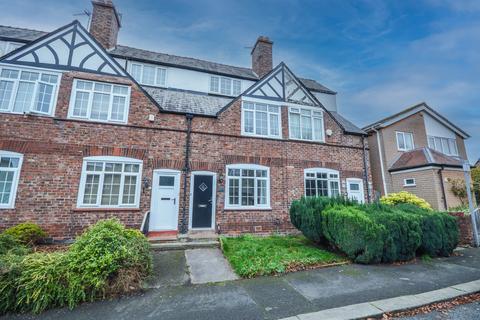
(355, 189)
(165, 197)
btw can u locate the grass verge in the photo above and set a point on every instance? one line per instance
(252, 256)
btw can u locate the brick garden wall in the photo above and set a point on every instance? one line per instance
(54, 149)
(464, 223)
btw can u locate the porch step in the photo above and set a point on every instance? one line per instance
(183, 245)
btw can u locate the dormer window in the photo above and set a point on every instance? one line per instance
(225, 86)
(404, 141)
(25, 91)
(149, 75)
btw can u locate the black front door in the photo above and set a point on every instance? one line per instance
(202, 201)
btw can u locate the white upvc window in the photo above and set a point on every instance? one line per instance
(306, 124)
(322, 182)
(8, 46)
(99, 101)
(10, 165)
(404, 141)
(148, 74)
(225, 86)
(409, 182)
(110, 182)
(261, 120)
(247, 187)
(447, 146)
(28, 91)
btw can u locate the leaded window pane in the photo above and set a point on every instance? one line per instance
(214, 84)
(111, 189)
(80, 108)
(91, 189)
(274, 130)
(6, 89)
(262, 192)
(237, 87)
(295, 126)
(24, 97)
(148, 75)
(248, 192)
(226, 86)
(129, 189)
(261, 123)
(248, 121)
(233, 191)
(310, 189)
(6, 182)
(118, 108)
(44, 98)
(136, 70)
(100, 106)
(306, 127)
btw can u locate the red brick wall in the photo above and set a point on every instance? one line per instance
(464, 223)
(54, 149)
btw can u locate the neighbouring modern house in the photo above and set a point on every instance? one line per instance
(420, 151)
(91, 129)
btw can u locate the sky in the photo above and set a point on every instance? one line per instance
(380, 56)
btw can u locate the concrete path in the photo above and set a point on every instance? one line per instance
(169, 269)
(208, 265)
(283, 296)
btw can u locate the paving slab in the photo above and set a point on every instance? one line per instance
(208, 265)
(169, 269)
(471, 286)
(395, 304)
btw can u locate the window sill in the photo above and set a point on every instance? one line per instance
(410, 186)
(253, 135)
(306, 140)
(86, 209)
(97, 121)
(248, 209)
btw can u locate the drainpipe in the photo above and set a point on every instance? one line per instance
(365, 168)
(186, 170)
(381, 161)
(443, 188)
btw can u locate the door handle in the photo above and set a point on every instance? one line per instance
(165, 199)
(202, 205)
(174, 200)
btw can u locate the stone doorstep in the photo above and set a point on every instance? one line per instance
(377, 308)
(183, 245)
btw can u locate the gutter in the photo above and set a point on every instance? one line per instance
(443, 188)
(381, 161)
(186, 170)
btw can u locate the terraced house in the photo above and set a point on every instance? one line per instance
(91, 129)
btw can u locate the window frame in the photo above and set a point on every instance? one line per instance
(16, 177)
(433, 139)
(142, 67)
(256, 206)
(312, 110)
(329, 179)
(36, 83)
(91, 92)
(110, 159)
(231, 93)
(404, 134)
(254, 134)
(406, 184)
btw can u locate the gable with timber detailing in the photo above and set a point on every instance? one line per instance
(282, 85)
(69, 48)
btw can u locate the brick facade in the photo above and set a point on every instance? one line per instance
(54, 149)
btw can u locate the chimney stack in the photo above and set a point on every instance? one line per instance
(105, 23)
(262, 56)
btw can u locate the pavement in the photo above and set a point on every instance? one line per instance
(299, 293)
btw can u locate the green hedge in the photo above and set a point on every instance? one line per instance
(27, 233)
(93, 265)
(355, 233)
(439, 230)
(305, 215)
(376, 232)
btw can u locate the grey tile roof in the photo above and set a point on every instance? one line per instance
(124, 51)
(20, 33)
(346, 124)
(183, 101)
(315, 86)
(163, 58)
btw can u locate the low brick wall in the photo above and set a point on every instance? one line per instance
(464, 227)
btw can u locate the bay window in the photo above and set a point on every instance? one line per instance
(404, 141)
(247, 187)
(306, 124)
(320, 182)
(261, 120)
(110, 182)
(28, 91)
(10, 164)
(99, 101)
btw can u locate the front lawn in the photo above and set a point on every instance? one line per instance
(252, 256)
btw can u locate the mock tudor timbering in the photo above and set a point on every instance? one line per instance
(111, 144)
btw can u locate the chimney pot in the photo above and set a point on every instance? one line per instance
(105, 23)
(262, 56)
